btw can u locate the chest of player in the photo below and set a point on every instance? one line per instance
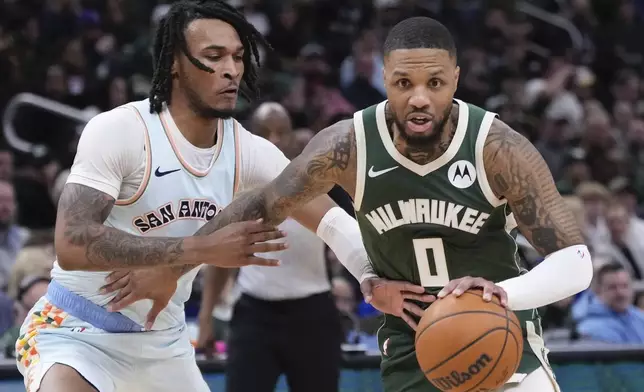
(175, 199)
(405, 203)
(444, 196)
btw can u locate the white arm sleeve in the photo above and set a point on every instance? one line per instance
(104, 158)
(560, 275)
(342, 233)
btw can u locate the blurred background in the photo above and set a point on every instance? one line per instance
(565, 73)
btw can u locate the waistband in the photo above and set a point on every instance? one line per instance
(88, 311)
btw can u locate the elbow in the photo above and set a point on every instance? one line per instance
(583, 272)
(65, 262)
(586, 272)
(65, 255)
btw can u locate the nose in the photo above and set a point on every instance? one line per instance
(420, 101)
(229, 68)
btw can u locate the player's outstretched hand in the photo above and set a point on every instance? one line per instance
(236, 244)
(158, 284)
(394, 297)
(461, 285)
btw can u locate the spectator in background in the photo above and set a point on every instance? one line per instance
(365, 50)
(12, 237)
(30, 290)
(314, 100)
(626, 246)
(352, 328)
(7, 317)
(635, 142)
(301, 137)
(611, 316)
(626, 195)
(6, 165)
(595, 198)
(35, 259)
(572, 165)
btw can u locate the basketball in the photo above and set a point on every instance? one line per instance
(466, 344)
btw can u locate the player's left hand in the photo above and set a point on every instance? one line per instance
(392, 297)
(158, 284)
(461, 285)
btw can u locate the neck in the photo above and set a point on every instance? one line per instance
(199, 131)
(423, 154)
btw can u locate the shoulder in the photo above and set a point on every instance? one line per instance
(260, 161)
(507, 149)
(118, 122)
(255, 148)
(501, 135)
(336, 137)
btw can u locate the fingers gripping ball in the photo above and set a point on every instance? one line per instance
(466, 344)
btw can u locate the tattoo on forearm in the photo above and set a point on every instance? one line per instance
(328, 159)
(82, 211)
(518, 173)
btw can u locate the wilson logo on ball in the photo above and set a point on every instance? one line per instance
(457, 378)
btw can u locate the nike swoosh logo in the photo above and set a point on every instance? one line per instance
(159, 173)
(373, 174)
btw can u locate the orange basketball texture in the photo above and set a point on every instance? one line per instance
(464, 344)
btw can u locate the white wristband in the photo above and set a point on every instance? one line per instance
(560, 275)
(342, 233)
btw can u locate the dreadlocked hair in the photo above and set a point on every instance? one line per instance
(170, 37)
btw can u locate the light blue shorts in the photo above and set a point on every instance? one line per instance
(156, 361)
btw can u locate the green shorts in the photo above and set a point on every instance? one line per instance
(400, 371)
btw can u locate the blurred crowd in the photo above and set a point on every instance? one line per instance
(565, 73)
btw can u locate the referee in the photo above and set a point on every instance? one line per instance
(285, 321)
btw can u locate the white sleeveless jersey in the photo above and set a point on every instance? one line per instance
(173, 201)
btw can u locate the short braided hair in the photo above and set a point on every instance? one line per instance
(420, 32)
(170, 37)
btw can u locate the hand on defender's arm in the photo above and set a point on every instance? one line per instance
(83, 242)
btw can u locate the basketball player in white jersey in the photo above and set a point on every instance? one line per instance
(146, 176)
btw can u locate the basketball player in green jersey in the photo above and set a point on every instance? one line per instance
(439, 187)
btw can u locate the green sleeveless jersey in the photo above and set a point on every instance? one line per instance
(429, 224)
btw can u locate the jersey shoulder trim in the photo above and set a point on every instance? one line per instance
(237, 158)
(361, 158)
(484, 130)
(148, 161)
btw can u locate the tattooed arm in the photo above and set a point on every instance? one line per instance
(328, 159)
(83, 242)
(518, 174)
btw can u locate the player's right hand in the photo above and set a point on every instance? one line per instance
(236, 244)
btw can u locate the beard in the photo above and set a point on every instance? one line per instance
(201, 109)
(424, 140)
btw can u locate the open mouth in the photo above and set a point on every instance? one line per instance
(419, 123)
(229, 91)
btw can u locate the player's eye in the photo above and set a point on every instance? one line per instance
(435, 83)
(213, 58)
(403, 83)
(238, 57)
